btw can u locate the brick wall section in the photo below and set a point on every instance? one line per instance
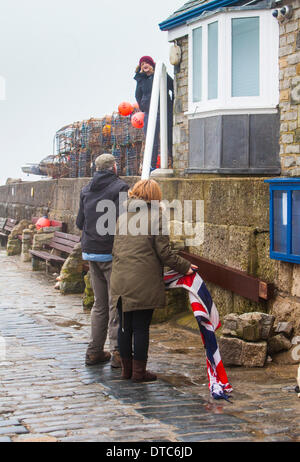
(180, 122)
(289, 85)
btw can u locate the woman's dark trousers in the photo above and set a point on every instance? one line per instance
(134, 332)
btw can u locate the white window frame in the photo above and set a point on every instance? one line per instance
(268, 99)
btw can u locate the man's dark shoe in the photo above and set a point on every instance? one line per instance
(96, 358)
(116, 360)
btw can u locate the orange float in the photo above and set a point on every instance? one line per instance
(137, 120)
(125, 109)
(106, 130)
(43, 222)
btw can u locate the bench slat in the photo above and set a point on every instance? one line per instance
(65, 242)
(46, 256)
(63, 248)
(70, 237)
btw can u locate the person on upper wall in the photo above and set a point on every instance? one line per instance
(144, 77)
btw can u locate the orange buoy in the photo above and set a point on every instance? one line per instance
(137, 120)
(136, 106)
(43, 222)
(125, 108)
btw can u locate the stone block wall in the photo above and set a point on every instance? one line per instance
(236, 231)
(289, 85)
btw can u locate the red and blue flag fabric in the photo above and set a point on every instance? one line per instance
(208, 320)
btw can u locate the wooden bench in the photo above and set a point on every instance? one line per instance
(10, 223)
(62, 242)
(53, 223)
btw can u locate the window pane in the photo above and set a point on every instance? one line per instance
(213, 60)
(245, 57)
(280, 221)
(296, 223)
(197, 64)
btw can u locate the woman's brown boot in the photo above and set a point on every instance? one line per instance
(139, 373)
(126, 368)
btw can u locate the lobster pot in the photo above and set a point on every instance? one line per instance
(131, 160)
(84, 164)
(121, 130)
(73, 165)
(116, 152)
(84, 135)
(105, 133)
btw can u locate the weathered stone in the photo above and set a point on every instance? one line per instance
(88, 297)
(285, 328)
(13, 247)
(40, 239)
(231, 351)
(266, 268)
(71, 275)
(283, 276)
(230, 324)
(278, 343)
(13, 243)
(244, 305)
(254, 354)
(287, 309)
(222, 298)
(248, 326)
(296, 281)
(27, 239)
(176, 302)
(237, 352)
(285, 357)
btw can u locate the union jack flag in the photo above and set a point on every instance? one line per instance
(208, 320)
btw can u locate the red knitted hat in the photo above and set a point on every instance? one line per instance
(148, 60)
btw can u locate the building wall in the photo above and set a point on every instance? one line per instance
(180, 121)
(236, 230)
(289, 70)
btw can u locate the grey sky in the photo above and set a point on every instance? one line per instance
(68, 60)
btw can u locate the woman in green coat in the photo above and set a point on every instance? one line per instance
(140, 252)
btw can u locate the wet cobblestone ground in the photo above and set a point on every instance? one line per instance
(48, 394)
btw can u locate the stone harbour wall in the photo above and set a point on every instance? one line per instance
(236, 231)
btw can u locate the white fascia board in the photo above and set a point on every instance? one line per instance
(177, 33)
(230, 111)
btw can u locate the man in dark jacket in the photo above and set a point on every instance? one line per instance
(97, 249)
